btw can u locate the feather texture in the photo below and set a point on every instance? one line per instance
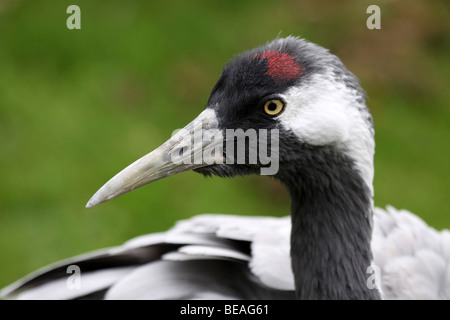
(237, 257)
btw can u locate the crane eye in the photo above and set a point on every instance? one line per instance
(274, 107)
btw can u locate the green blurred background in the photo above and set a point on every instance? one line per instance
(77, 106)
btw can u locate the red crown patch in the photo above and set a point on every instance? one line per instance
(280, 66)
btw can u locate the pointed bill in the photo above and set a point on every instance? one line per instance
(182, 152)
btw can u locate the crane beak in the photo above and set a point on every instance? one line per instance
(184, 151)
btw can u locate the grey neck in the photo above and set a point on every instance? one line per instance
(331, 229)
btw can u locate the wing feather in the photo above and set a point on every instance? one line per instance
(237, 257)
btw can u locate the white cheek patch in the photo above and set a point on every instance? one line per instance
(319, 121)
(325, 112)
(318, 112)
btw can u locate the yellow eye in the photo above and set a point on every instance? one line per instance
(273, 107)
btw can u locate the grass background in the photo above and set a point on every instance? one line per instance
(77, 106)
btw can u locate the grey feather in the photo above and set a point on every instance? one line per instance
(414, 260)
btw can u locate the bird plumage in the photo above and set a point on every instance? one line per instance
(210, 252)
(332, 242)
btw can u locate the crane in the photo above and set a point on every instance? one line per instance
(289, 109)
